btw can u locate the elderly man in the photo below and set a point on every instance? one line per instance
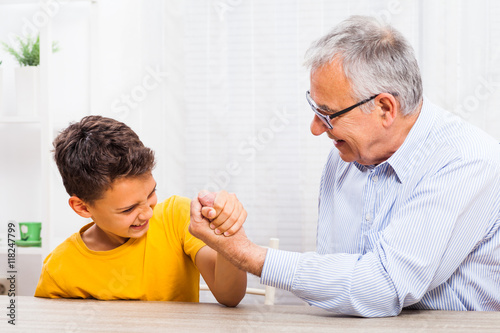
(409, 211)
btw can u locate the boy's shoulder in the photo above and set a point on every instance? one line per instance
(172, 216)
(174, 202)
(67, 250)
(173, 208)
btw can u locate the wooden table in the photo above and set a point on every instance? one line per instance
(46, 315)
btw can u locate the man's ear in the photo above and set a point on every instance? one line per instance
(80, 207)
(388, 107)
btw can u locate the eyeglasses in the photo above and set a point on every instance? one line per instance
(326, 118)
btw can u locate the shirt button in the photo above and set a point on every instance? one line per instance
(368, 217)
(375, 178)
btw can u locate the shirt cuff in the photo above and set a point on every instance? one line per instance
(279, 269)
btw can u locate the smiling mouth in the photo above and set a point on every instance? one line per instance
(139, 225)
(338, 143)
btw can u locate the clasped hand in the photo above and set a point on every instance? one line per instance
(218, 213)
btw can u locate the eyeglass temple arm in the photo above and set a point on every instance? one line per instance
(352, 107)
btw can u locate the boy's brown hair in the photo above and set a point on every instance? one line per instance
(95, 151)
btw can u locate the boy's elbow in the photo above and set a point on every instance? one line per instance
(233, 296)
(230, 293)
(229, 304)
(231, 301)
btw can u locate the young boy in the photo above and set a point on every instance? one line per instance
(134, 248)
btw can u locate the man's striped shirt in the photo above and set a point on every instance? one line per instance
(421, 230)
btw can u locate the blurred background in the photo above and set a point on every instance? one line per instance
(217, 89)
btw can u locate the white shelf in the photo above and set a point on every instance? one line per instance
(22, 250)
(45, 118)
(29, 250)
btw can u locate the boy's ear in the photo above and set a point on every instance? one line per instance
(79, 206)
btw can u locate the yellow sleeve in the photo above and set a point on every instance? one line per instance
(47, 286)
(181, 214)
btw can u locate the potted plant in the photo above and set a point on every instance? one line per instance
(27, 76)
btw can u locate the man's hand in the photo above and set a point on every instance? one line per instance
(224, 211)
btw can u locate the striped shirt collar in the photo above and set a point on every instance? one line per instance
(402, 160)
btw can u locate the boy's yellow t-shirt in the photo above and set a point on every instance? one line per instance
(159, 266)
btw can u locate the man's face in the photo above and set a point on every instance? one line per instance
(126, 207)
(355, 134)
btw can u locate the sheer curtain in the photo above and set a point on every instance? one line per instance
(233, 113)
(217, 89)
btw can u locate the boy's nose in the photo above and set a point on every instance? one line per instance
(146, 213)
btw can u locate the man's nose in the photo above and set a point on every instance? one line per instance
(317, 126)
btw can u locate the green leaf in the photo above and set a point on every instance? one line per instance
(27, 52)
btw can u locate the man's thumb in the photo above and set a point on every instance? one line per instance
(206, 198)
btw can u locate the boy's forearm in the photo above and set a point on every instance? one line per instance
(230, 282)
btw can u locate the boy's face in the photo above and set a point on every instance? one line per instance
(126, 207)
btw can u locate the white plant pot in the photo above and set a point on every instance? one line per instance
(27, 90)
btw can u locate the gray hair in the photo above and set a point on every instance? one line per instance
(375, 57)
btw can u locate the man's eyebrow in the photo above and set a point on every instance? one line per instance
(326, 109)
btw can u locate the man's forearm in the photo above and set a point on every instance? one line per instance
(239, 251)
